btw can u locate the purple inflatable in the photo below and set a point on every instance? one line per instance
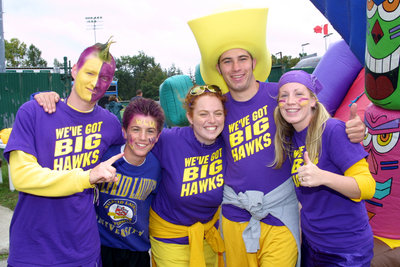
(337, 71)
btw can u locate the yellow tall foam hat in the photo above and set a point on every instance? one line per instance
(217, 33)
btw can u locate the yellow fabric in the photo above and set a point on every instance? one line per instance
(5, 135)
(277, 246)
(29, 177)
(160, 228)
(392, 243)
(366, 183)
(217, 33)
(176, 255)
(82, 111)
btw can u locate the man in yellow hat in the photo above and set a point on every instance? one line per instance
(260, 210)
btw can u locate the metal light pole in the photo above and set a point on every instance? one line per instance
(326, 37)
(280, 53)
(302, 47)
(2, 48)
(95, 21)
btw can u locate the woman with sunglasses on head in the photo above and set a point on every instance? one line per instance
(185, 211)
(330, 173)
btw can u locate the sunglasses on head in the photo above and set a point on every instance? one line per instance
(198, 90)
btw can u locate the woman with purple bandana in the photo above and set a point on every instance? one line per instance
(330, 173)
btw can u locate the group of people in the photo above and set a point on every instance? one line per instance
(250, 154)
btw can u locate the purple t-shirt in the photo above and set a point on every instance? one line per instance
(330, 220)
(192, 177)
(123, 210)
(59, 231)
(249, 139)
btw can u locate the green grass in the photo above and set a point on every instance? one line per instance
(7, 198)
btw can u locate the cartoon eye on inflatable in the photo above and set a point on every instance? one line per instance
(367, 139)
(371, 9)
(389, 10)
(383, 143)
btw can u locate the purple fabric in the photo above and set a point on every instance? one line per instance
(248, 135)
(313, 257)
(299, 76)
(123, 210)
(329, 220)
(192, 177)
(59, 231)
(337, 71)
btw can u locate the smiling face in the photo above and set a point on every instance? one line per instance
(93, 79)
(295, 104)
(382, 83)
(207, 118)
(236, 67)
(141, 135)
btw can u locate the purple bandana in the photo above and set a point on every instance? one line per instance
(298, 76)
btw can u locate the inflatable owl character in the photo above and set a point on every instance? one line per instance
(382, 118)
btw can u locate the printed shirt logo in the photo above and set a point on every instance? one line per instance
(202, 174)
(121, 211)
(249, 135)
(77, 146)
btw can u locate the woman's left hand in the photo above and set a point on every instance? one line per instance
(309, 174)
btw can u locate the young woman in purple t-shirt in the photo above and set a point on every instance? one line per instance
(330, 173)
(184, 214)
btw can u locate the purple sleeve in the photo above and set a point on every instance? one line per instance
(158, 147)
(342, 152)
(22, 134)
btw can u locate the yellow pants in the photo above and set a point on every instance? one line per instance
(277, 246)
(176, 255)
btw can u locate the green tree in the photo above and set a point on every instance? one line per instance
(57, 63)
(34, 57)
(141, 72)
(287, 61)
(18, 55)
(173, 70)
(15, 51)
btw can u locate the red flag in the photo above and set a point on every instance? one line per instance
(325, 29)
(318, 29)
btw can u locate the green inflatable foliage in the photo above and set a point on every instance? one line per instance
(172, 95)
(198, 77)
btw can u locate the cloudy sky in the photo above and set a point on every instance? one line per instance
(156, 27)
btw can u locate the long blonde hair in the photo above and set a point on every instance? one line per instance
(283, 139)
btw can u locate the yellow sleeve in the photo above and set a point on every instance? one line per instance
(29, 177)
(366, 183)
